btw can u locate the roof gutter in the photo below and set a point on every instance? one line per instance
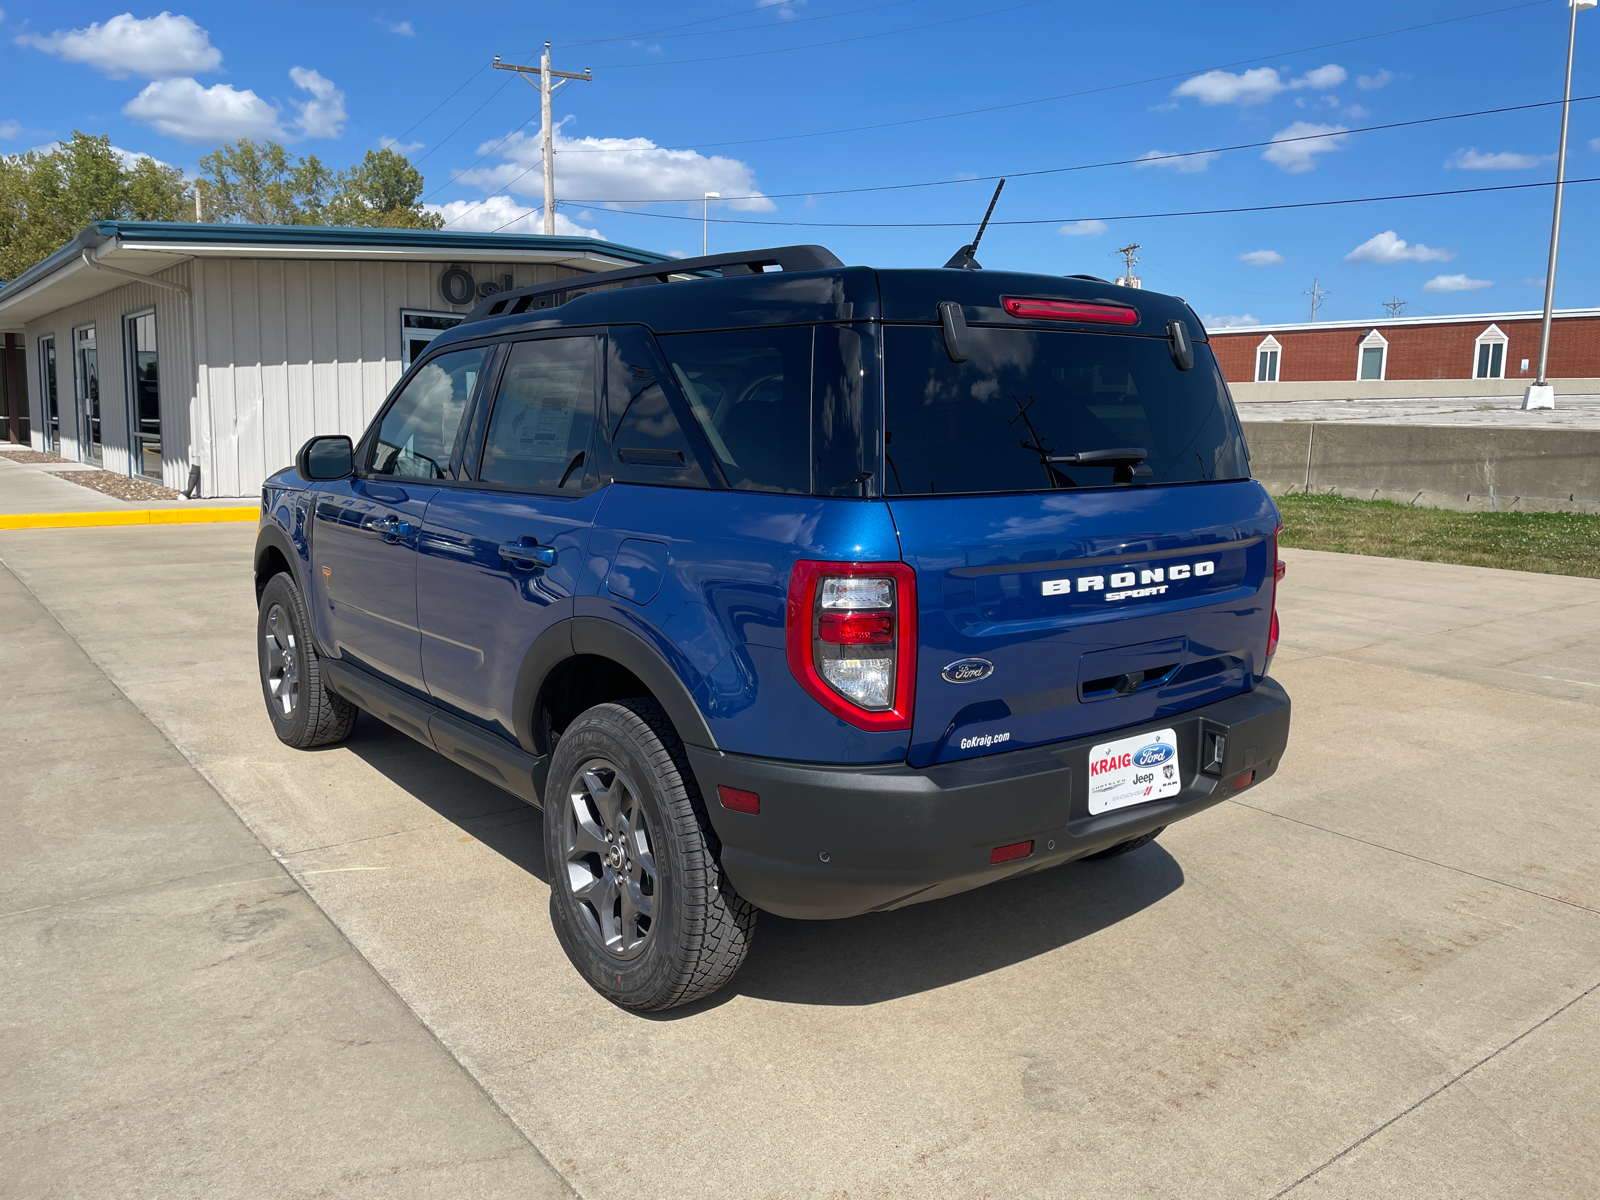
(89, 261)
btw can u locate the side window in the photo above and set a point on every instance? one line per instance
(418, 432)
(844, 437)
(543, 416)
(750, 390)
(648, 443)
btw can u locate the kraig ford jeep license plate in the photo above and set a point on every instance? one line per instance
(1134, 770)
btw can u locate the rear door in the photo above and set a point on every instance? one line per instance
(501, 550)
(364, 539)
(1056, 600)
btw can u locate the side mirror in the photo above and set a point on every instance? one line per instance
(328, 457)
(1179, 345)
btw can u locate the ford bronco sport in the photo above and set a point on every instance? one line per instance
(780, 584)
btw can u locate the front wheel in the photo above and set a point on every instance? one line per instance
(637, 896)
(304, 711)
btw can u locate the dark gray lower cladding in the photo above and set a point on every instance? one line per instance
(1437, 466)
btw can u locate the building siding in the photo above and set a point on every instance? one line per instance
(1442, 351)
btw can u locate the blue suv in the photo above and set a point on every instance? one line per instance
(780, 584)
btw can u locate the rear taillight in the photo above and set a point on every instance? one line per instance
(852, 639)
(1029, 309)
(1279, 570)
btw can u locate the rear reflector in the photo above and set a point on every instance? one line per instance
(1244, 781)
(1004, 854)
(1068, 310)
(856, 628)
(738, 800)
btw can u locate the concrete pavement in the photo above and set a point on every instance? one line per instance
(1374, 975)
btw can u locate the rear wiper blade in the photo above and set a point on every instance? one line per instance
(1128, 462)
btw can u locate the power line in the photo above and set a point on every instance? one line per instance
(1144, 159)
(680, 62)
(664, 34)
(443, 102)
(1111, 87)
(1193, 212)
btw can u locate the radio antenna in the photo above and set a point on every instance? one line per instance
(964, 259)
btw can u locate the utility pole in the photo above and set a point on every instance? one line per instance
(1129, 255)
(1318, 295)
(546, 89)
(1395, 306)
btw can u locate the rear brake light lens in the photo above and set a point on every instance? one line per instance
(1068, 310)
(852, 637)
(1279, 570)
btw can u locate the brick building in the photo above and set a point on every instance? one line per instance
(1491, 354)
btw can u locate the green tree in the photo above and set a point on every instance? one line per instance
(47, 197)
(385, 190)
(258, 185)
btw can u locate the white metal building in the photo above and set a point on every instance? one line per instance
(155, 347)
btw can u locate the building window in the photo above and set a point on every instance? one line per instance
(1489, 354)
(418, 328)
(1267, 360)
(145, 393)
(1373, 357)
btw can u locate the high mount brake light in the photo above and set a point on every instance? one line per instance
(852, 639)
(1068, 310)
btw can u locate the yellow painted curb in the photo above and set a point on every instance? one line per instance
(134, 516)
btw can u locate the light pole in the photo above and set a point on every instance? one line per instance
(1541, 394)
(705, 217)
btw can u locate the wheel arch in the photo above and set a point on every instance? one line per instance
(273, 556)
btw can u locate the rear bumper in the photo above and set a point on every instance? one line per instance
(837, 841)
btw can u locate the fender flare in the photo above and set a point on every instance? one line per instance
(272, 536)
(594, 635)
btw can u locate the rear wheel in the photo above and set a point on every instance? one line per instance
(1125, 847)
(304, 711)
(637, 896)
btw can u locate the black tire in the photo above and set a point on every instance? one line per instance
(305, 712)
(1125, 847)
(625, 829)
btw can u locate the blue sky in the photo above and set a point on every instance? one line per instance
(710, 95)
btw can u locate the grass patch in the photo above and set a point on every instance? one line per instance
(1550, 543)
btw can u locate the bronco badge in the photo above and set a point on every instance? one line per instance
(968, 670)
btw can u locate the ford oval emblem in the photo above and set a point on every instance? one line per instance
(968, 670)
(1152, 755)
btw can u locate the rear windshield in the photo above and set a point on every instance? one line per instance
(988, 424)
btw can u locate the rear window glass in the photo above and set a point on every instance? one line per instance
(750, 390)
(988, 424)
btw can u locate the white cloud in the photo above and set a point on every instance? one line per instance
(10, 129)
(323, 115)
(182, 109)
(1257, 85)
(1388, 247)
(1594, 144)
(158, 47)
(1187, 164)
(1357, 112)
(399, 147)
(403, 28)
(1535, 283)
(598, 170)
(1241, 321)
(1371, 83)
(1261, 258)
(502, 214)
(1296, 156)
(1084, 228)
(1470, 159)
(1455, 283)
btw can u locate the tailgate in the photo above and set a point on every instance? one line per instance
(1047, 616)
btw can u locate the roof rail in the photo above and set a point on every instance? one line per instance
(750, 262)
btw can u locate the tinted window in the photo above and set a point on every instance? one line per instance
(648, 444)
(543, 415)
(985, 425)
(750, 391)
(844, 435)
(418, 432)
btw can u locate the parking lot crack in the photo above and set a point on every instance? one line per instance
(1443, 1087)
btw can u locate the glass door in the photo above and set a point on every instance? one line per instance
(87, 363)
(146, 394)
(50, 427)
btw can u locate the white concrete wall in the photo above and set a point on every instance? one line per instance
(175, 373)
(1402, 389)
(288, 349)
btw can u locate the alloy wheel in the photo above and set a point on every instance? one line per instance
(283, 662)
(610, 862)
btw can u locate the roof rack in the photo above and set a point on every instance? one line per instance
(750, 262)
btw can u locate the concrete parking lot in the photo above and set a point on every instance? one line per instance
(234, 969)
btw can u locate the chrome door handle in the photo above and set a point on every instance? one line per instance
(528, 554)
